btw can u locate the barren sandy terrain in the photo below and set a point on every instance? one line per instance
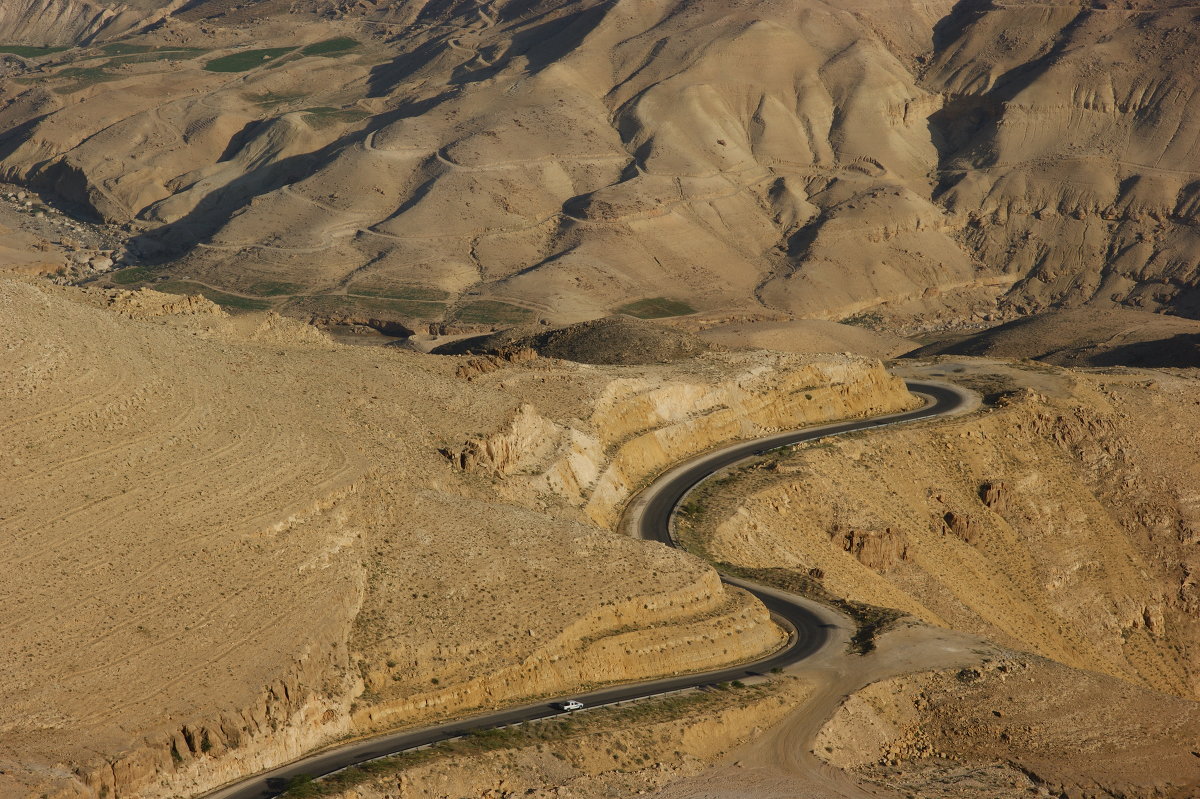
(1086, 337)
(632, 230)
(1012, 726)
(232, 539)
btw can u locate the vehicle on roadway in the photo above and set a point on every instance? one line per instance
(569, 705)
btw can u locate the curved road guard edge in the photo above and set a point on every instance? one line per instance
(648, 517)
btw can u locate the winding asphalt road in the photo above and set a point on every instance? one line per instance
(649, 517)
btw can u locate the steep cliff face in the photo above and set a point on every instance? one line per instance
(639, 426)
(1064, 524)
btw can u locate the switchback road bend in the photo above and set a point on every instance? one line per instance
(652, 521)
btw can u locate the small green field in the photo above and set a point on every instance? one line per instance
(274, 288)
(331, 48)
(122, 48)
(656, 308)
(491, 312)
(82, 77)
(134, 274)
(419, 293)
(230, 301)
(246, 60)
(378, 306)
(25, 51)
(158, 54)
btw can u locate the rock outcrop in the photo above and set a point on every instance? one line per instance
(875, 549)
(639, 426)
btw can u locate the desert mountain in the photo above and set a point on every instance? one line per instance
(504, 161)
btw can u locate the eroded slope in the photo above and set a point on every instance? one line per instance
(1061, 523)
(233, 540)
(503, 162)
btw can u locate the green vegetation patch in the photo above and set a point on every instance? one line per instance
(231, 301)
(421, 293)
(272, 99)
(333, 304)
(82, 77)
(123, 48)
(134, 274)
(331, 48)
(164, 54)
(274, 288)
(25, 51)
(656, 308)
(491, 312)
(246, 60)
(535, 733)
(320, 116)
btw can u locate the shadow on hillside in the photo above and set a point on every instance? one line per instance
(175, 239)
(1178, 352)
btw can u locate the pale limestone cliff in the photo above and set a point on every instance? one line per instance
(702, 626)
(641, 425)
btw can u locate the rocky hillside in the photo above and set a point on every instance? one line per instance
(1014, 727)
(494, 163)
(611, 340)
(232, 540)
(60, 24)
(1061, 523)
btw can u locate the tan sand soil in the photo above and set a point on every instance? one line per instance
(808, 335)
(1086, 337)
(1015, 726)
(231, 539)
